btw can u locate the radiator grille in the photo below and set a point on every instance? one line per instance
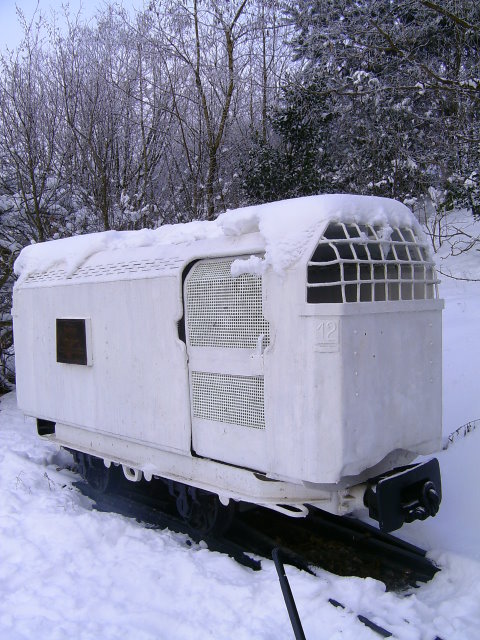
(237, 400)
(223, 311)
(367, 263)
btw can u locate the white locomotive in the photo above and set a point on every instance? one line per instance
(286, 355)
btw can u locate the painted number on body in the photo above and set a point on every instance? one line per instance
(327, 336)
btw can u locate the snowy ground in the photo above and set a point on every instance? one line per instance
(68, 571)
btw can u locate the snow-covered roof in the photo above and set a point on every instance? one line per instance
(282, 230)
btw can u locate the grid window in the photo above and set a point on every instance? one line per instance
(366, 263)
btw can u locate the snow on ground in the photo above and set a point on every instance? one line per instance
(456, 527)
(69, 571)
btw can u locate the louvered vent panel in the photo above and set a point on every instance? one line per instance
(223, 311)
(47, 276)
(230, 399)
(113, 269)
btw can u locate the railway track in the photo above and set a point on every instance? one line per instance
(343, 546)
(159, 514)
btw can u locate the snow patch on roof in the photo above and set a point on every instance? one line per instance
(285, 227)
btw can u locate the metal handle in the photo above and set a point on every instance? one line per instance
(288, 596)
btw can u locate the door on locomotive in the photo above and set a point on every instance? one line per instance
(226, 334)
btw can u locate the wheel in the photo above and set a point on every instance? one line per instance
(201, 510)
(96, 473)
(209, 516)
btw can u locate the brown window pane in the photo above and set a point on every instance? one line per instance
(71, 341)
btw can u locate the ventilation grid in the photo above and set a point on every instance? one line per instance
(223, 311)
(367, 263)
(115, 268)
(159, 264)
(230, 399)
(46, 276)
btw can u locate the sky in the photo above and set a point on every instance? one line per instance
(11, 30)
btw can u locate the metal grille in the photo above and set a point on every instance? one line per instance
(116, 268)
(367, 263)
(230, 399)
(223, 311)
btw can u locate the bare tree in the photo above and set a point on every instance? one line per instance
(200, 41)
(30, 116)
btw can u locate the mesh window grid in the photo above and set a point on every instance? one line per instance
(223, 311)
(229, 399)
(370, 263)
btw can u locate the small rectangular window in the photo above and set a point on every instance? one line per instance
(72, 341)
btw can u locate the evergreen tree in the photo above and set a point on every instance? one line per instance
(385, 101)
